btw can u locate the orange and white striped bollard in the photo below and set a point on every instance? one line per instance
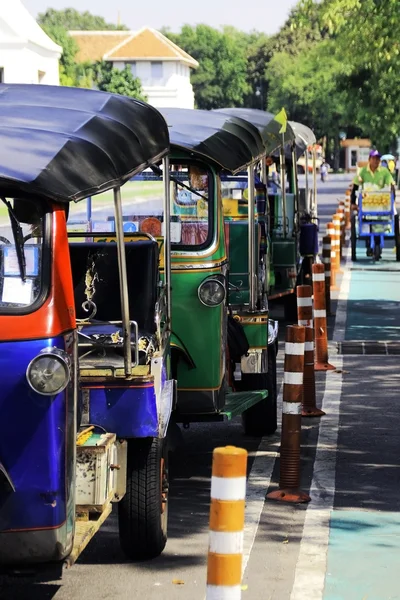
(320, 324)
(336, 224)
(225, 549)
(309, 408)
(304, 305)
(330, 230)
(326, 260)
(289, 471)
(347, 210)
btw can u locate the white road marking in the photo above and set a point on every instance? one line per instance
(309, 580)
(341, 311)
(257, 486)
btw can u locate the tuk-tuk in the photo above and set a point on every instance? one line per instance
(219, 350)
(86, 391)
(287, 232)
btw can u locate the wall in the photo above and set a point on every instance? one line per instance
(171, 89)
(22, 62)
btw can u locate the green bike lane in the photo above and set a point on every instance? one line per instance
(364, 529)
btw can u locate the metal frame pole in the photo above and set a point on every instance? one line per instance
(282, 163)
(123, 282)
(295, 184)
(167, 237)
(314, 204)
(308, 207)
(252, 257)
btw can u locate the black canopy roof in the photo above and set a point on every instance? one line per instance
(69, 143)
(266, 124)
(304, 137)
(226, 140)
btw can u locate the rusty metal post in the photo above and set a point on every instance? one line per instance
(320, 324)
(326, 260)
(304, 305)
(289, 473)
(309, 393)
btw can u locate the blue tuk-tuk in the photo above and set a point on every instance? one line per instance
(86, 392)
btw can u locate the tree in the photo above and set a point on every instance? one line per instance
(67, 59)
(116, 81)
(71, 19)
(221, 78)
(369, 34)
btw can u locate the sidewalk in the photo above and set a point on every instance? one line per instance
(344, 544)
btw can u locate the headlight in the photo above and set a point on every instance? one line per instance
(49, 372)
(211, 292)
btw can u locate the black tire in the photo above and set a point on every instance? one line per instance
(290, 307)
(143, 511)
(397, 236)
(261, 419)
(353, 238)
(377, 252)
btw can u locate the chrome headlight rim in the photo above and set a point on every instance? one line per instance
(220, 281)
(62, 358)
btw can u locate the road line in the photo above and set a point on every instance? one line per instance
(341, 311)
(309, 579)
(257, 486)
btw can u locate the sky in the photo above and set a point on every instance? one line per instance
(263, 15)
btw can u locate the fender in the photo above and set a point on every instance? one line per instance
(180, 351)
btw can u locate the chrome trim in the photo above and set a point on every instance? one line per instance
(62, 357)
(123, 282)
(256, 361)
(273, 329)
(191, 266)
(217, 280)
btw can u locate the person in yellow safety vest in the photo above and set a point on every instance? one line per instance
(372, 173)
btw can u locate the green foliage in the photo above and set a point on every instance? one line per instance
(221, 79)
(71, 19)
(116, 81)
(67, 60)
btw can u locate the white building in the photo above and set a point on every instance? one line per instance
(27, 54)
(162, 67)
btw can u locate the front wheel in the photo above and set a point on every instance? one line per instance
(143, 511)
(261, 419)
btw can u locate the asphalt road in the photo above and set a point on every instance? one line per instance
(271, 545)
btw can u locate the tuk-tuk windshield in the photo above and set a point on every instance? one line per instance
(142, 206)
(22, 238)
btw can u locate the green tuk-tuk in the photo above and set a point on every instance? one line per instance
(287, 243)
(219, 349)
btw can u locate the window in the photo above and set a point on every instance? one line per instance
(22, 294)
(133, 69)
(156, 70)
(353, 158)
(191, 195)
(1, 75)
